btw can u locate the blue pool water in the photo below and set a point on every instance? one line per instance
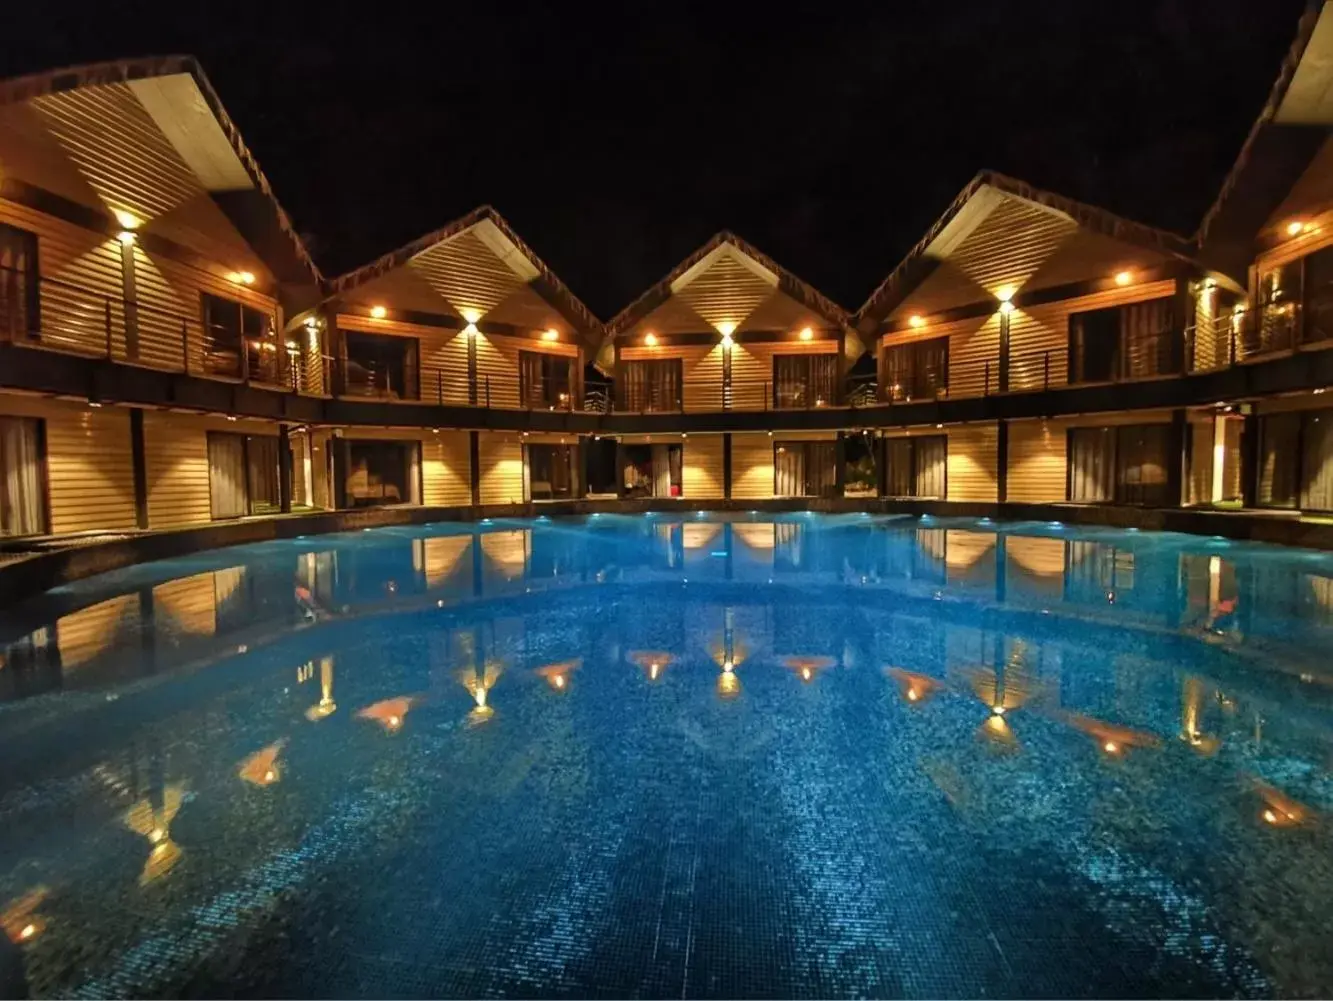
(660, 757)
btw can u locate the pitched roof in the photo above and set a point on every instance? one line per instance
(913, 267)
(256, 212)
(1272, 158)
(788, 283)
(547, 284)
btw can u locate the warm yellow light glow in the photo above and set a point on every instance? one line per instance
(652, 671)
(1110, 747)
(28, 931)
(261, 768)
(388, 713)
(912, 695)
(1270, 816)
(471, 330)
(378, 312)
(125, 237)
(1123, 277)
(473, 316)
(270, 775)
(726, 340)
(1004, 293)
(156, 835)
(1006, 307)
(1296, 227)
(650, 339)
(728, 684)
(127, 220)
(550, 335)
(805, 674)
(915, 321)
(807, 334)
(997, 710)
(728, 666)
(245, 277)
(558, 680)
(726, 328)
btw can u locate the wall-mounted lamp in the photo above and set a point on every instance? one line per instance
(807, 334)
(915, 322)
(1123, 278)
(650, 339)
(550, 335)
(378, 312)
(1006, 307)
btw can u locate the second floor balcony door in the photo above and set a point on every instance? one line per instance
(380, 366)
(545, 380)
(650, 386)
(18, 283)
(916, 371)
(803, 381)
(1122, 342)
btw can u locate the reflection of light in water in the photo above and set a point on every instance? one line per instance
(728, 684)
(261, 768)
(697, 536)
(1280, 810)
(806, 667)
(652, 662)
(557, 675)
(154, 823)
(20, 919)
(914, 687)
(388, 713)
(998, 730)
(325, 706)
(478, 683)
(1111, 738)
(1191, 710)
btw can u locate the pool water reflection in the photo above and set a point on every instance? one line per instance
(650, 756)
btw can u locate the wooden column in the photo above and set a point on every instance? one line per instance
(474, 466)
(840, 465)
(338, 493)
(284, 469)
(1182, 309)
(1004, 354)
(1002, 462)
(1177, 436)
(138, 455)
(726, 465)
(130, 298)
(1249, 461)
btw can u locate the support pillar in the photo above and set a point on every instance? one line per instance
(138, 455)
(1249, 461)
(474, 466)
(1176, 439)
(726, 465)
(1002, 462)
(284, 469)
(840, 465)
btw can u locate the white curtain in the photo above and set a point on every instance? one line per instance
(789, 469)
(226, 475)
(661, 471)
(21, 500)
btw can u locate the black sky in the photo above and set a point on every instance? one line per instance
(616, 140)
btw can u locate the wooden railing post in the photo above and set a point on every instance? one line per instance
(245, 358)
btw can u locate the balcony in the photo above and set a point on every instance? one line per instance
(50, 315)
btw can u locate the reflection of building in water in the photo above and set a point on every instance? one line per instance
(915, 687)
(652, 662)
(21, 918)
(1194, 692)
(507, 553)
(1034, 567)
(192, 603)
(970, 556)
(81, 636)
(1212, 597)
(1097, 573)
(151, 817)
(388, 713)
(443, 560)
(261, 768)
(558, 674)
(808, 667)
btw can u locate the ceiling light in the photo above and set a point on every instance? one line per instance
(550, 335)
(915, 321)
(1123, 277)
(378, 312)
(807, 334)
(650, 339)
(1295, 228)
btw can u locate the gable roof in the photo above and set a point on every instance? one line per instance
(543, 280)
(804, 293)
(942, 236)
(1277, 150)
(216, 153)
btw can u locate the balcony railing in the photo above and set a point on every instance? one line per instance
(54, 315)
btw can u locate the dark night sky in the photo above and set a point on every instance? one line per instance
(831, 135)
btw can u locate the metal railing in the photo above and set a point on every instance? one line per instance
(54, 315)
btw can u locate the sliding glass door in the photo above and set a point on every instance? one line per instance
(242, 474)
(1119, 465)
(804, 469)
(918, 467)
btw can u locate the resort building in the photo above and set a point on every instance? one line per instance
(171, 356)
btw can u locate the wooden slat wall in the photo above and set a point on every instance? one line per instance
(751, 466)
(74, 320)
(176, 455)
(1199, 481)
(1310, 197)
(727, 291)
(445, 478)
(501, 458)
(700, 367)
(1045, 328)
(89, 464)
(973, 462)
(972, 343)
(702, 473)
(752, 368)
(1037, 462)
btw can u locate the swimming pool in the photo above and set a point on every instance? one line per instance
(654, 756)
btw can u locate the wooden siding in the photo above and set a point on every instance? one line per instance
(702, 472)
(90, 469)
(176, 459)
(467, 273)
(501, 457)
(446, 473)
(973, 462)
(1310, 196)
(751, 466)
(1037, 462)
(727, 291)
(1037, 330)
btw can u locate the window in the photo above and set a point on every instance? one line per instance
(233, 332)
(379, 472)
(381, 366)
(1122, 465)
(22, 477)
(804, 469)
(801, 381)
(1318, 296)
(546, 381)
(1215, 319)
(1278, 313)
(1296, 460)
(918, 467)
(242, 474)
(1122, 342)
(551, 471)
(917, 371)
(650, 386)
(18, 283)
(651, 470)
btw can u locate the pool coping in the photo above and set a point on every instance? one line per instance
(29, 575)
